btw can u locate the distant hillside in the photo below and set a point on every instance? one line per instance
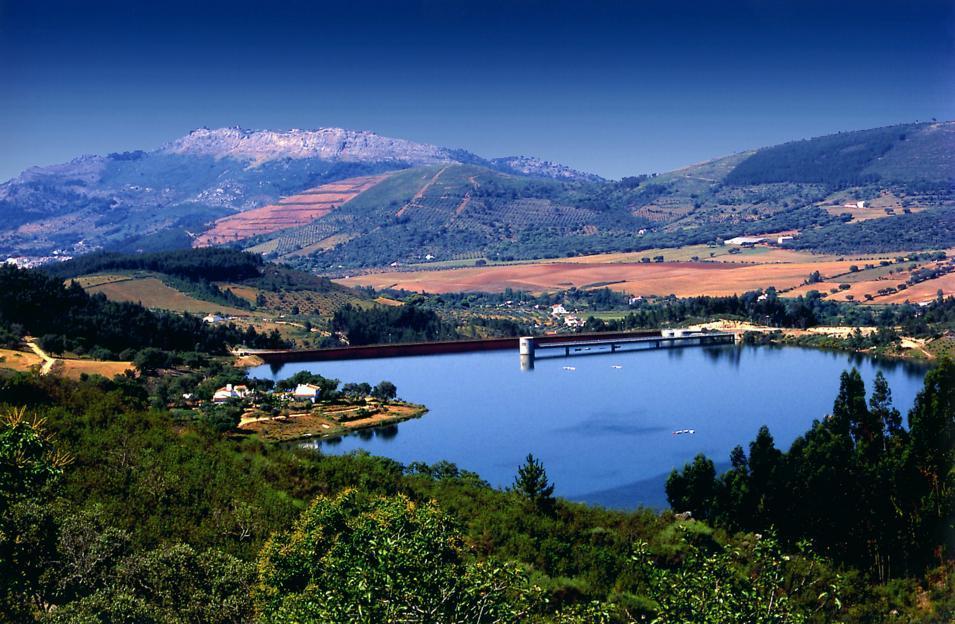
(332, 200)
(910, 152)
(164, 198)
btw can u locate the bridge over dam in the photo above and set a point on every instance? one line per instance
(531, 347)
(528, 347)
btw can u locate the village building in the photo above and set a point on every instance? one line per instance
(306, 392)
(230, 392)
(558, 310)
(744, 240)
(572, 321)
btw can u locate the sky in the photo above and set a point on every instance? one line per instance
(616, 88)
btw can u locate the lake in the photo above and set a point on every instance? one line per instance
(604, 430)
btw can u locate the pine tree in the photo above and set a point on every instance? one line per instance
(532, 483)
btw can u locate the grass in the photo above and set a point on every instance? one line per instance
(151, 292)
(20, 361)
(323, 421)
(75, 368)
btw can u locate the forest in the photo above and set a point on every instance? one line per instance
(867, 489)
(67, 319)
(206, 264)
(837, 160)
(388, 324)
(112, 511)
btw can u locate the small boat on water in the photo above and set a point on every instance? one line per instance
(684, 432)
(569, 368)
(615, 366)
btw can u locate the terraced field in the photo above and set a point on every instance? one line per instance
(293, 211)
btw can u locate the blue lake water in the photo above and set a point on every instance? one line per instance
(604, 434)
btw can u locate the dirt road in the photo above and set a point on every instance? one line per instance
(48, 361)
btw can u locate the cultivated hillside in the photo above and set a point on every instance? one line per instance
(332, 200)
(167, 197)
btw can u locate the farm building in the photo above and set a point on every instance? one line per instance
(573, 321)
(744, 240)
(306, 392)
(229, 392)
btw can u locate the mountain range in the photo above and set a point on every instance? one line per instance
(332, 198)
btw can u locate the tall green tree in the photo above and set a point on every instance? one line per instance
(30, 470)
(930, 464)
(532, 483)
(694, 488)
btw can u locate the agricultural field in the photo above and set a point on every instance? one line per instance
(74, 368)
(680, 278)
(20, 361)
(26, 361)
(887, 204)
(151, 292)
(786, 270)
(292, 211)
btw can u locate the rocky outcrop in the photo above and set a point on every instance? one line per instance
(530, 166)
(325, 143)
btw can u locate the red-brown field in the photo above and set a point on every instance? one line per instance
(680, 278)
(288, 212)
(923, 291)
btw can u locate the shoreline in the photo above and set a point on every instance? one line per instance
(323, 425)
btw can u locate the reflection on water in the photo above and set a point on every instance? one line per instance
(387, 432)
(604, 430)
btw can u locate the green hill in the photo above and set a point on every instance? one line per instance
(453, 206)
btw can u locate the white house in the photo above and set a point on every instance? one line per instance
(557, 309)
(744, 240)
(782, 239)
(212, 318)
(572, 321)
(306, 392)
(229, 392)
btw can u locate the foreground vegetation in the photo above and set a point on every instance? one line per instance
(114, 511)
(120, 503)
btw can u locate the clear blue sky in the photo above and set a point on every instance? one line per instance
(617, 88)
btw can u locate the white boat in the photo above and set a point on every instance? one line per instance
(615, 366)
(684, 431)
(569, 368)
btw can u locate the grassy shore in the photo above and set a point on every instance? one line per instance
(328, 421)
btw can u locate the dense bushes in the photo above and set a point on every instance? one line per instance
(154, 521)
(931, 229)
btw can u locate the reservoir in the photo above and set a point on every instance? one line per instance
(602, 424)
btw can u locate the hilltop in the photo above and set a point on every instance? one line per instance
(334, 199)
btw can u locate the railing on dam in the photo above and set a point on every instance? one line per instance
(421, 348)
(567, 342)
(530, 346)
